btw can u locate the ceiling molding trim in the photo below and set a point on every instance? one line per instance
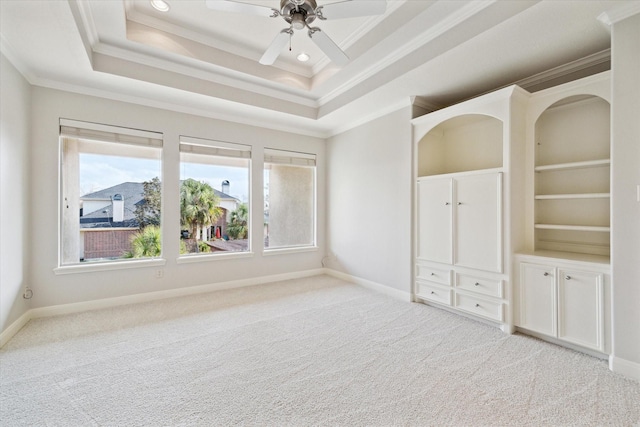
(86, 25)
(450, 22)
(243, 119)
(618, 14)
(15, 60)
(196, 36)
(192, 70)
(421, 102)
(566, 69)
(361, 31)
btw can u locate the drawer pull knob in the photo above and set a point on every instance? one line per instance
(546, 274)
(477, 305)
(433, 274)
(477, 284)
(433, 293)
(568, 277)
(459, 203)
(447, 203)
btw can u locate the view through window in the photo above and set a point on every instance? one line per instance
(214, 196)
(111, 193)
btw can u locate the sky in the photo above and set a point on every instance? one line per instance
(98, 172)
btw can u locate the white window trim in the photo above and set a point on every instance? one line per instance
(109, 265)
(290, 250)
(216, 256)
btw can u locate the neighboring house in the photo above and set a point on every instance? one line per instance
(107, 219)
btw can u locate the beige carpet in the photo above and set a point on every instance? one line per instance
(315, 351)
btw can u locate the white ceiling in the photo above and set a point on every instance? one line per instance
(197, 60)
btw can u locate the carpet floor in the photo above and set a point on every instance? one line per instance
(314, 351)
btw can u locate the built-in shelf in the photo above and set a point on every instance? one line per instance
(573, 196)
(574, 165)
(572, 227)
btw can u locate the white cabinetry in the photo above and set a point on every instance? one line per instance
(460, 220)
(564, 302)
(465, 164)
(563, 286)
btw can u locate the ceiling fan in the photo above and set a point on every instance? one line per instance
(300, 14)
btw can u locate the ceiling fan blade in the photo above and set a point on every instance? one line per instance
(327, 45)
(276, 46)
(244, 8)
(352, 9)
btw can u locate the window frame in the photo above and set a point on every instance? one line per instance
(218, 148)
(91, 132)
(287, 157)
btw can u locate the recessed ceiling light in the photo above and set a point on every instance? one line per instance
(160, 5)
(303, 57)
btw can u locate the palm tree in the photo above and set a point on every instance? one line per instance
(238, 225)
(198, 206)
(145, 243)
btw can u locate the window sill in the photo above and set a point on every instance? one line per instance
(108, 266)
(188, 259)
(294, 250)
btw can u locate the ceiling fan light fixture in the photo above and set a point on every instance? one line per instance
(160, 5)
(298, 21)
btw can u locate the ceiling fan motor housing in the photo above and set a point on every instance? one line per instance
(306, 8)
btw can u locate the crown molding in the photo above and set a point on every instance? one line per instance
(569, 68)
(618, 14)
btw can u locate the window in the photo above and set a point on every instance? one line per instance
(289, 199)
(110, 193)
(214, 196)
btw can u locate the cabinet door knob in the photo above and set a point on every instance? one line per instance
(546, 274)
(459, 203)
(477, 284)
(477, 305)
(568, 277)
(432, 293)
(447, 203)
(433, 274)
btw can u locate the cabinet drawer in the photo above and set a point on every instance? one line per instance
(433, 292)
(481, 285)
(481, 307)
(433, 274)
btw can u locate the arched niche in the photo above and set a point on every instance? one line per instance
(464, 143)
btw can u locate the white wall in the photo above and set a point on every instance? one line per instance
(625, 220)
(53, 289)
(15, 249)
(369, 201)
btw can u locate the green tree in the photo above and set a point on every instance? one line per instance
(238, 223)
(147, 212)
(198, 206)
(145, 243)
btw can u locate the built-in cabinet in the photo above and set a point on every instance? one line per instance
(512, 210)
(563, 289)
(564, 300)
(464, 156)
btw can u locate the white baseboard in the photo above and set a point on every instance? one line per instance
(392, 292)
(13, 328)
(625, 367)
(56, 310)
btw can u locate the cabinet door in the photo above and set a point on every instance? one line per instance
(580, 308)
(538, 298)
(478, 219)
(434, 220)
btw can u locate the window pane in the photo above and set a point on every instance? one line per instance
(289, 203)
(214, 199)
(110, 203)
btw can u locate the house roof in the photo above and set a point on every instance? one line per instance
(132, 194)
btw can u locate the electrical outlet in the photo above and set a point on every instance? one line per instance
(159, 274)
